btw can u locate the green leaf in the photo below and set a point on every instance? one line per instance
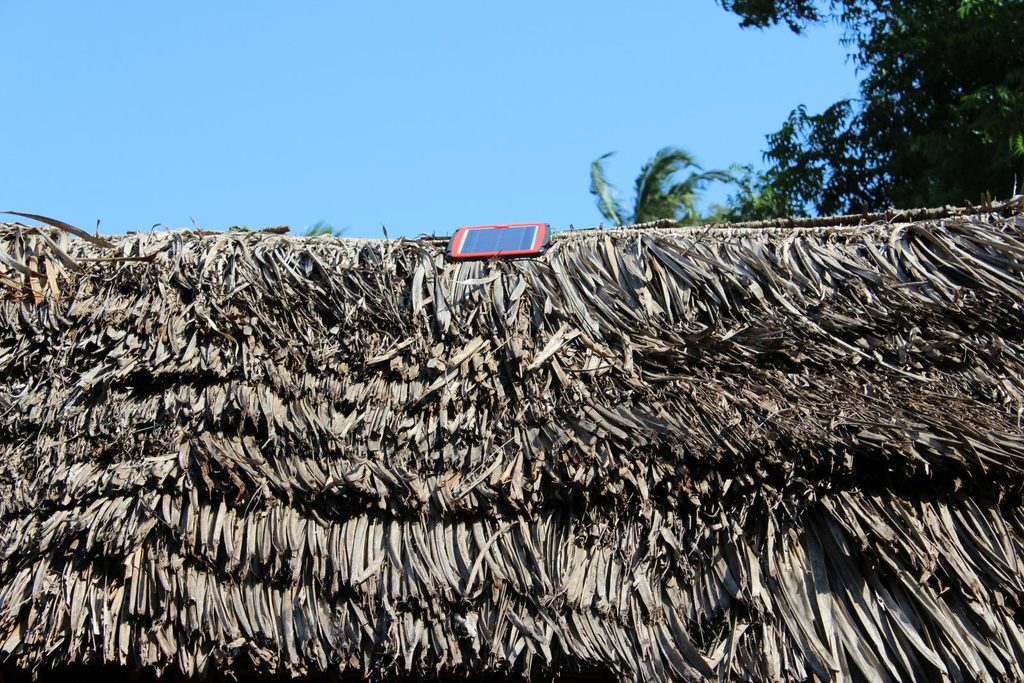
(604, 191)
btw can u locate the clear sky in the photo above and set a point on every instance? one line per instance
(422, 116)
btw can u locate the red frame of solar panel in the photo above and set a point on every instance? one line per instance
(457, 240)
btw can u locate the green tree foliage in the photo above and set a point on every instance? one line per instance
(322, 228)
(940, 117)
(763, 13)
(659, 192)
(755, 199)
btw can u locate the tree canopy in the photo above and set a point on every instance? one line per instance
(939, 118)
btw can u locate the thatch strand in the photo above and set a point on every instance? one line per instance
(731, 453)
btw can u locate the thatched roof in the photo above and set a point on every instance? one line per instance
(740, 452)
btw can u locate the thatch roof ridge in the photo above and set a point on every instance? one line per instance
(855, 220)
(894, 218)
(744, 452)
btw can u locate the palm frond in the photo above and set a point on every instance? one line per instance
(322, 228)
(715, 175)
(657, 196)
(652, 201)
(683, 196)
(605, 192)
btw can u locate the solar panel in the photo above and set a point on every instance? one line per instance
(492, 241)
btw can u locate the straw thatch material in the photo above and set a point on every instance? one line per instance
(746, 453)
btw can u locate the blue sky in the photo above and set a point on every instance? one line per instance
(422, 116)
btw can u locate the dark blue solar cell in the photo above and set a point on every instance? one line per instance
(499, 240)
